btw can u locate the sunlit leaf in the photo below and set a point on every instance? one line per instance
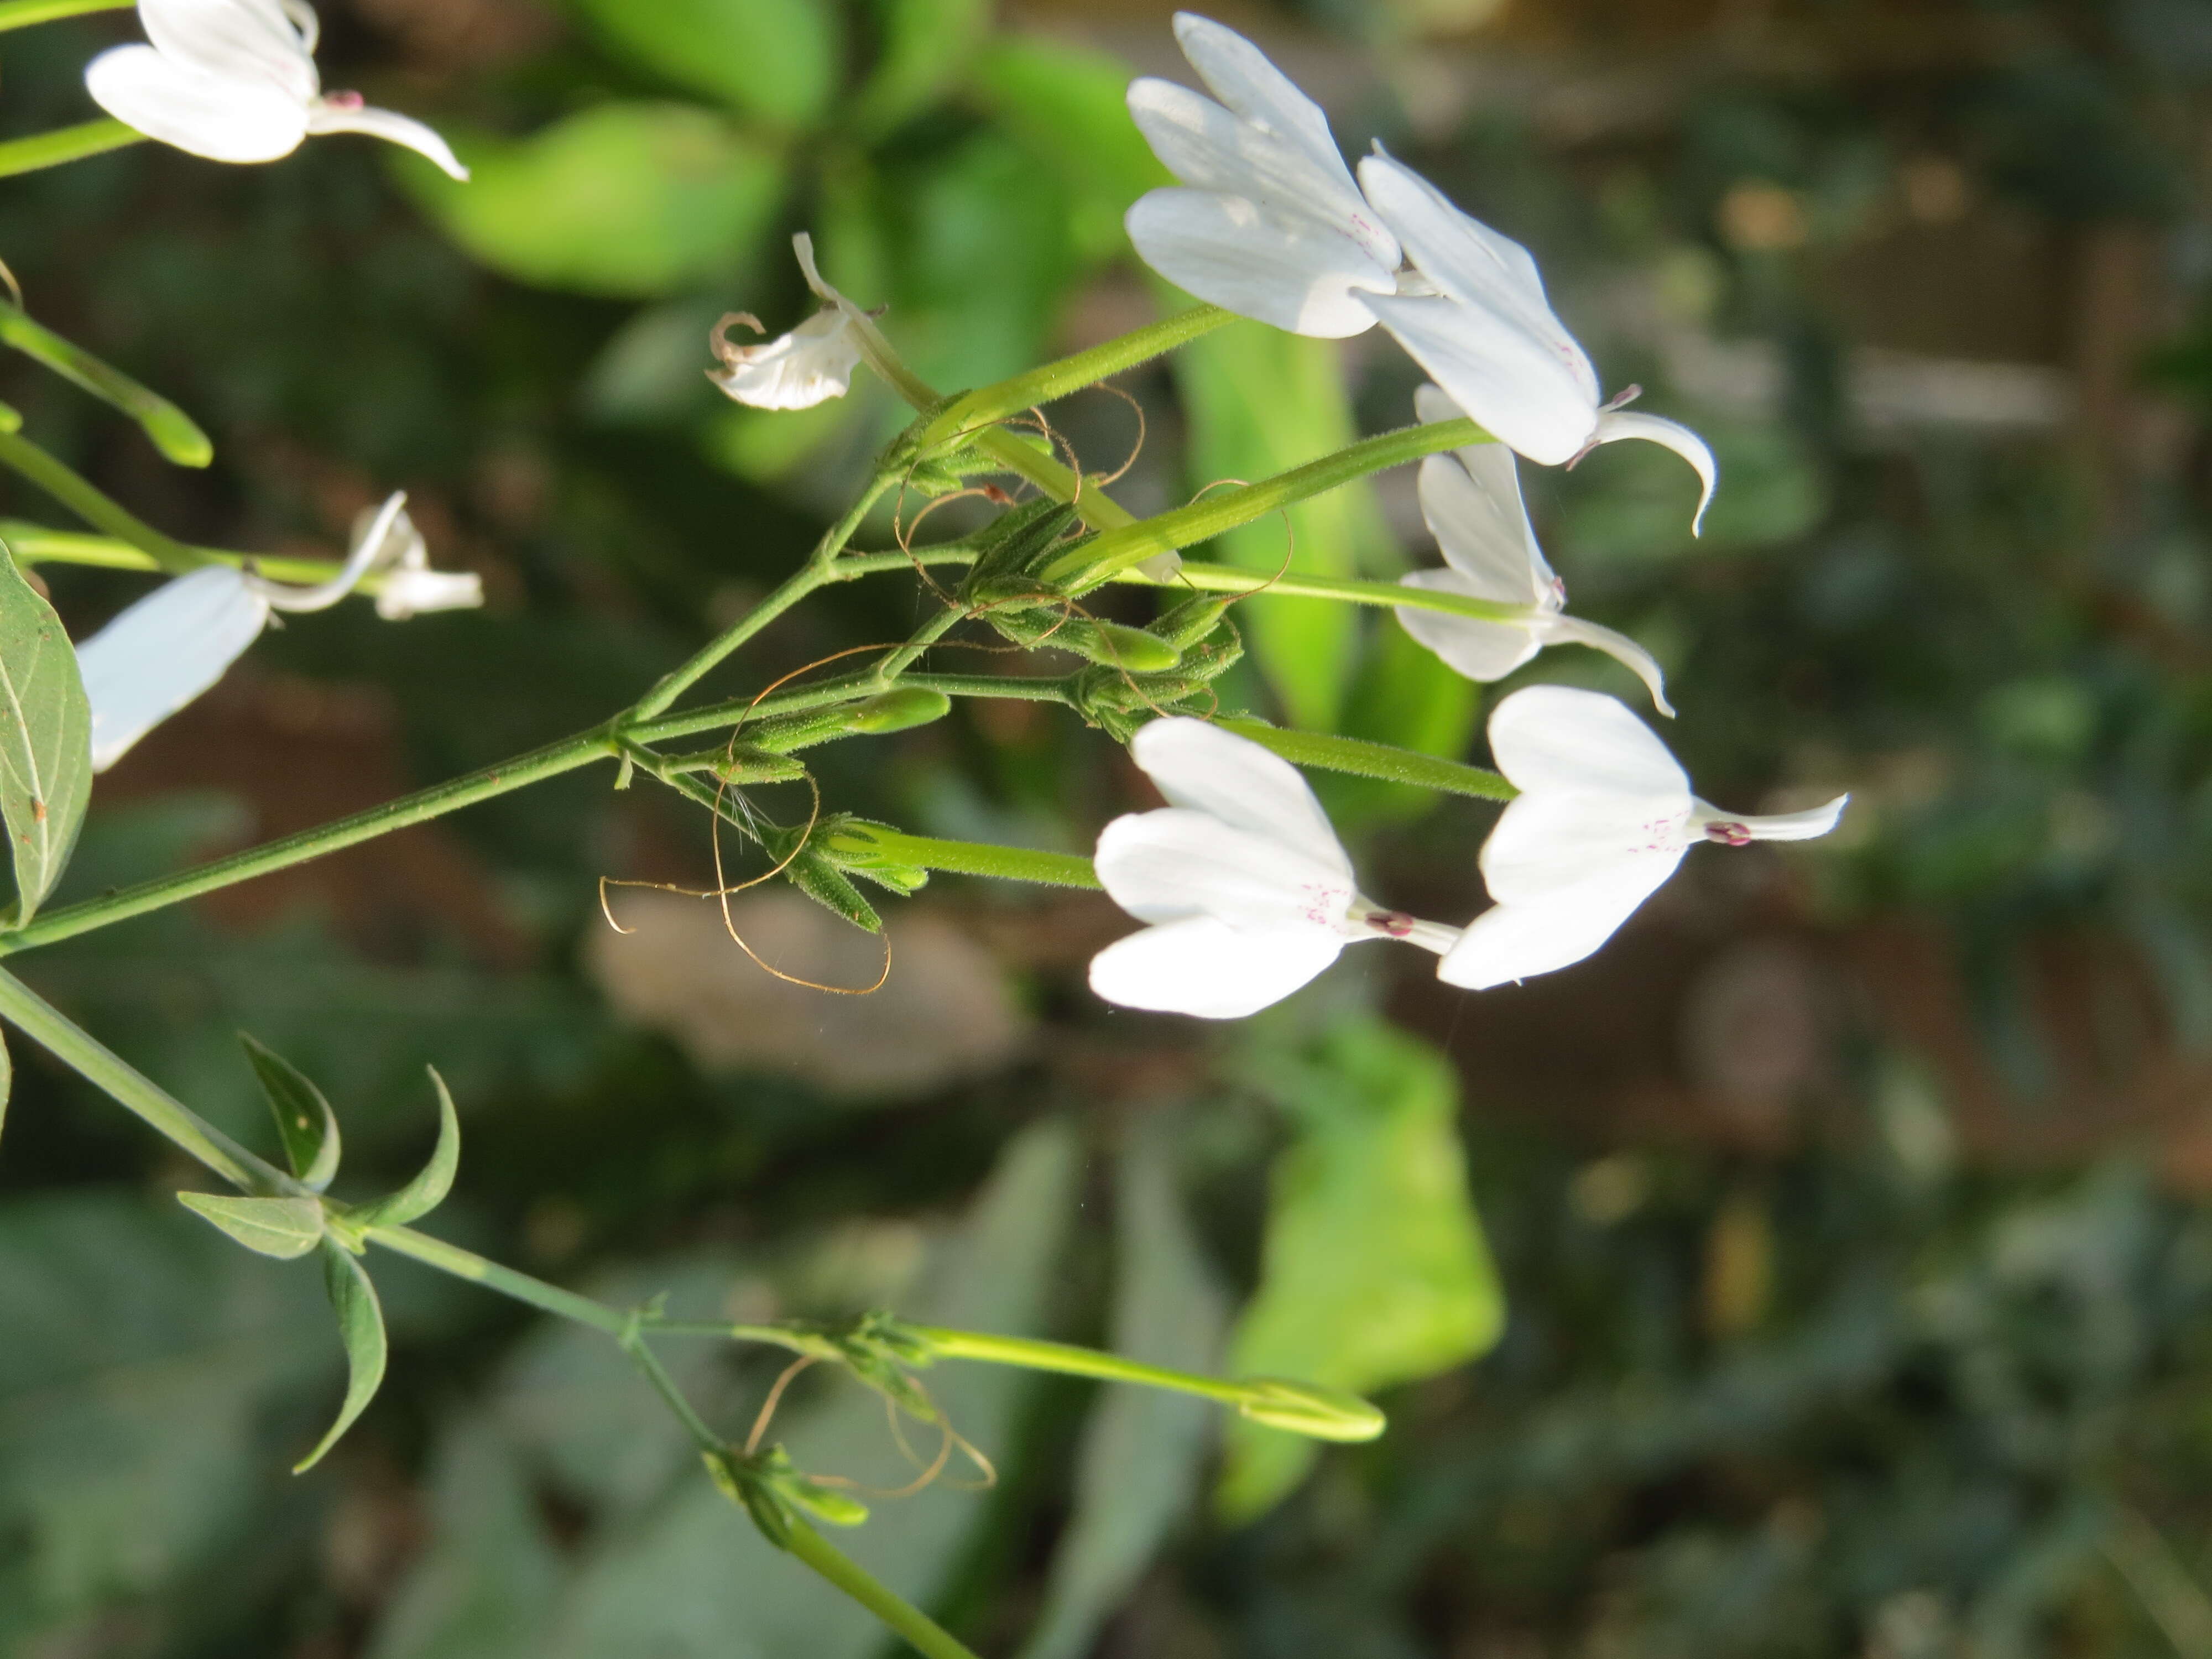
(174, 432)
(285, 1228)
(305, 1121)
(1373, 1269)
(427, 1190)
(1068, 107)
(631, 199)
(361, 1327)
(1138, 1468)
(778, 60)
(926, 47)
(46, 739)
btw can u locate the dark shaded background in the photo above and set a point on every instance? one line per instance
(1847, 1208)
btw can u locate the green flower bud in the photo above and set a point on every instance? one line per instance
(1130, 649)
(896, 710)
(1303, 1409)
(839, 1508)
(1193, 620)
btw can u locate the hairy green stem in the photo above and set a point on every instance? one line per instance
(1229, 579)
(452, 1259)
(48, 149)
(22, 14)
(1363, 759)
(174, 432)
(923, 637)
(987, 404)
(418, 808)
(52, 1031)
(1034, 1354)
(965, 858)
(1117, 549)
(925, 1633)
(84, 499)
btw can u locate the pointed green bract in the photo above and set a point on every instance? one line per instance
(285, 1228)
(46, 740)
(361, 1327)
(174, 432)
(305, 1123)
(428, 1189)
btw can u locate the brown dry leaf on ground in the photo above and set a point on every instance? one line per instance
(945, 1014)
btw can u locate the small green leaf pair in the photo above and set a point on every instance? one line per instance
(292, 1224)
(769, 1488)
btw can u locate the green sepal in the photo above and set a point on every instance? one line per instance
(769, 1487)
(361, 1327)
(1032, 615)
(285, 1228)
(741, 762)
(1184, 625)
(305, 1123)
(1119, 703)
(427, 1190)
(849, 844)
(897, 710)
(811, 871)
(1015, 542)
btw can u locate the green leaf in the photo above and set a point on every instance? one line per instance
(927, 48)
(1262, 402)
(46, 740)
(1138, 1468)
(1373, 1270)
(361, 1327)
(427, 1190)
(174, 432)
(1069, 109)
(628, 199)
(778, 61)
(286, 1228)
(305, 1123)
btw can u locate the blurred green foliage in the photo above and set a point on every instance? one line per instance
(1856, 1380)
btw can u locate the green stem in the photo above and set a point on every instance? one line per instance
(1362, 759)
(1069, 1360)
(33, 544)
(633, 1343)
(809, 576)
(52, 1031)
(1228, 578)
(82, 498)
(926, 1635)
(22, 14)
(174, 432)
(974, 409)
(965, 858)
(418, 808)
(48, 149)
(1117, 549)
(506, 1281)
(738, 711)
(923, 637)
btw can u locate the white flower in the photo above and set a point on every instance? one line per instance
(401, 558)
(1248, 890)
(811, 365)
(1478, 320)
(1603, 816)
(1472, 500)
(1271, 225)
(162, 651)
(235, 81)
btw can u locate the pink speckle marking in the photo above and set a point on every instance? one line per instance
(348, 102)
(1728, 835)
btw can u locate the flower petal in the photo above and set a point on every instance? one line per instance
(1507, 378)
(327, 116)
(412, 593)
(1168, 864)
(203, 115)
(810, 365)
(1472, 264)
(253, 40)
(1238, 73)
(1294, 273)
(1547, 843)
(1553, 737)
(1480, 650)
(160, 654)
(1511, 942)
(1202, 766)
(1780, 826)
(372, 544)
(1471, 500)
(1673, 435)
(1200, 967)
(1573, 630)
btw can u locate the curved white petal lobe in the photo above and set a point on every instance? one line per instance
(1471, 502)
(1198, 765)
(332, 115)
(1506, 379)
(1291, 271)
(236, 40)
(1203, 967)
(1553, 737)
(1573, 630)
(1671, 435)
(1509, 942)
(1552, 840)
(1163, 866)
(1238, 73)
(162, 651)
(205, 115)
(1480, 650)
(810, 365)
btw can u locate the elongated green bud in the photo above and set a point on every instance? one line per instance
(897, 710)
(1193, 620)
(839, 1508)
(1129, 648)
(1304, 1408)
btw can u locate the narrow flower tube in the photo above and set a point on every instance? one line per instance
(1247, 891)
(1471, 499)
(1269, 223)
(235, 81)
(1604, 815)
